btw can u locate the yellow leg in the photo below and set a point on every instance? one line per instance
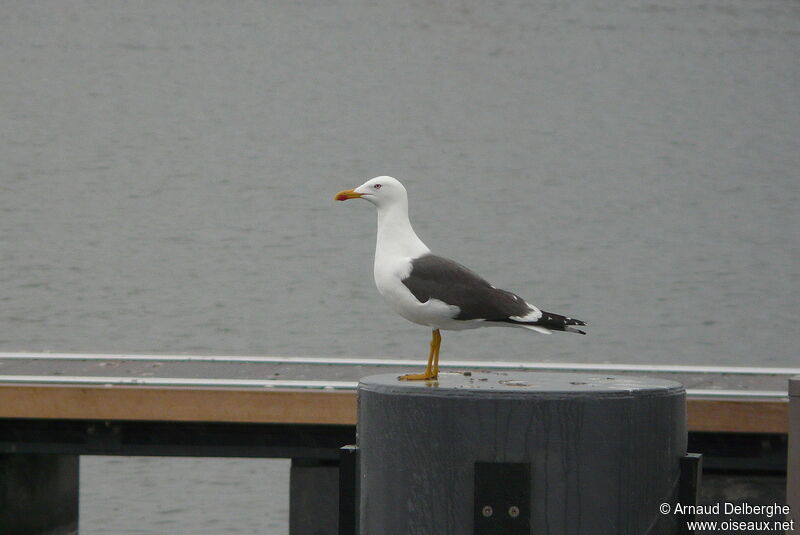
(432, 368)
(436, 343)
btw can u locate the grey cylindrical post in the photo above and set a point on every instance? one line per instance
(519, 452)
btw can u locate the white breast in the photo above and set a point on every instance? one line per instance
(389, 275)
(396, 245)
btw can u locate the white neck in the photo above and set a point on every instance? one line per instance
(396, 237)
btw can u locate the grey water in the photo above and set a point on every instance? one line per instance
(167, 172)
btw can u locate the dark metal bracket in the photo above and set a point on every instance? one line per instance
(502, 498)
(689, 486)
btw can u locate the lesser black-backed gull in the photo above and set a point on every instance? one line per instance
(434, 291)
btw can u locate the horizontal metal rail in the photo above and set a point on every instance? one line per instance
(177, 381)
(306, 385)
(484, 364)
(772, 395)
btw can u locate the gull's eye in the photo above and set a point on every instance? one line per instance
(376, 186)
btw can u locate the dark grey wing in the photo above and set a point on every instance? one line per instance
(440, 278)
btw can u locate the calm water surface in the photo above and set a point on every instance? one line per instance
(167, 169)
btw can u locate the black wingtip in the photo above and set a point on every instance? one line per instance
(557, 322)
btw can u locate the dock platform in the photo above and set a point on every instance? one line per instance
(57, 407)
(321, 390)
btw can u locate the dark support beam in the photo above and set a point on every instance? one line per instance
(183, 439)
(314, 497)
(38, 494)
(348, 490)
(793, 475)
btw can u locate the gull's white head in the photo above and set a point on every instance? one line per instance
(380, 191)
